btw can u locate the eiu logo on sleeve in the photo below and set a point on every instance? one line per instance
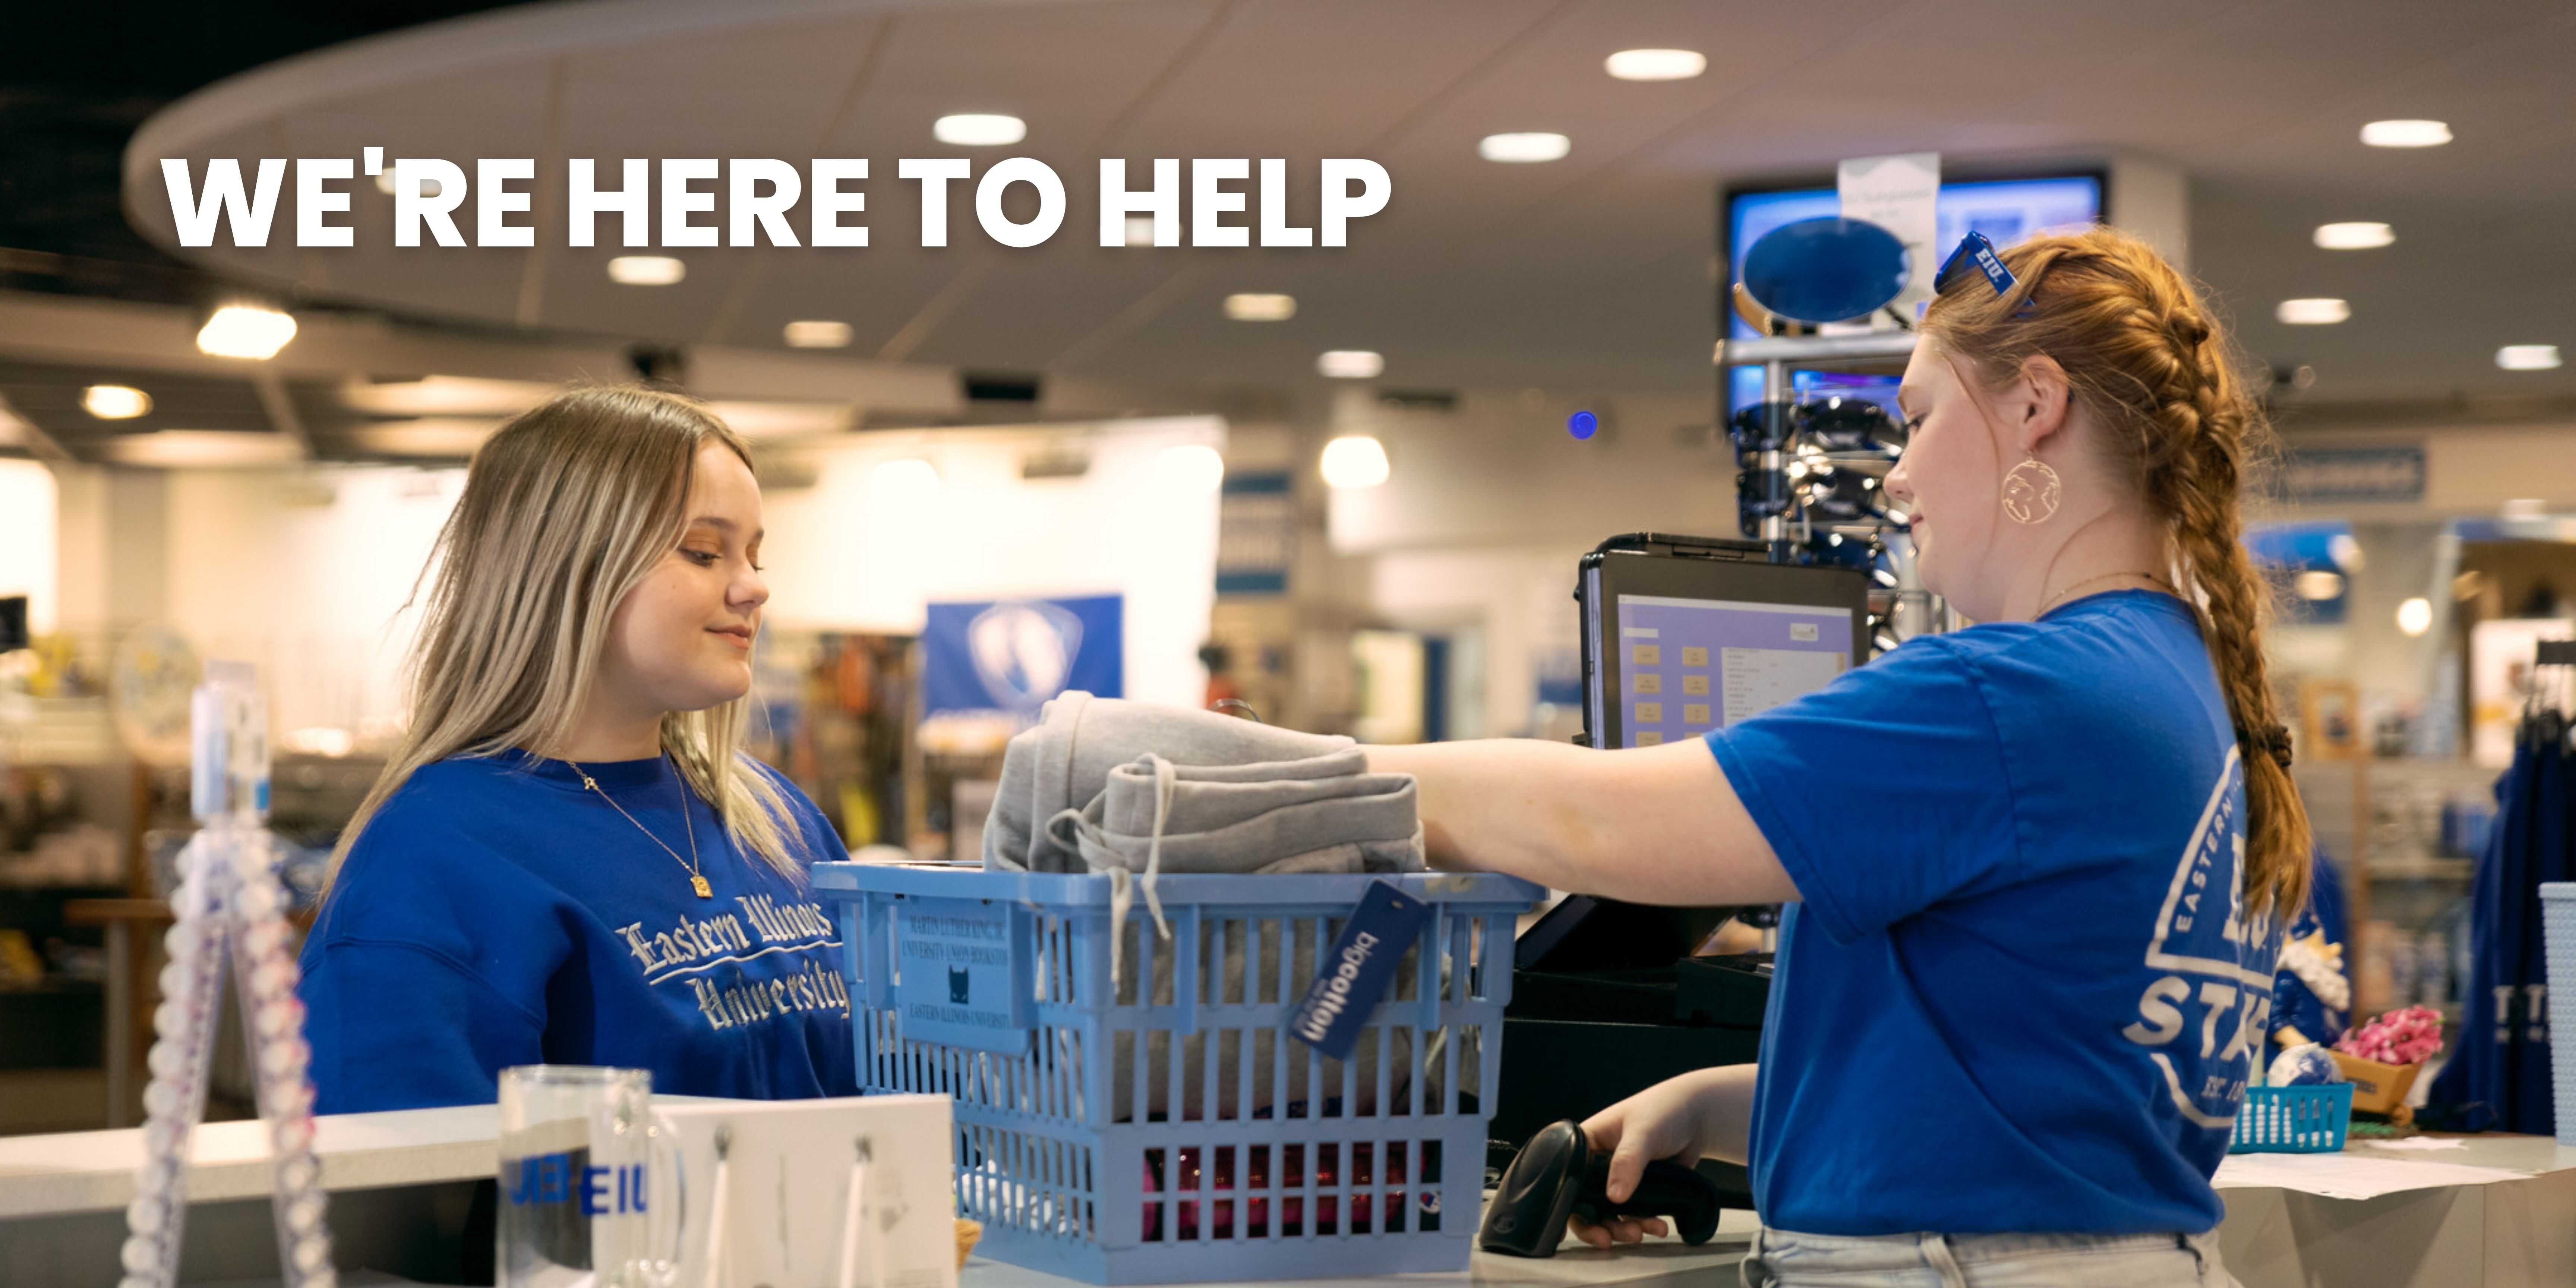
(2204, 1018)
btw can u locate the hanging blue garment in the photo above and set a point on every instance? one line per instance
(2498, 1078)
(2471, 1092)
(2326, 906)
(2551, 859)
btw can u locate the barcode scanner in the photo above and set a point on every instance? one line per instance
(1557, 1175)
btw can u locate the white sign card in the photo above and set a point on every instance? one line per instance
(1898, 193)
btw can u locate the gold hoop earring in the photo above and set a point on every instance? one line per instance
(2030, 492)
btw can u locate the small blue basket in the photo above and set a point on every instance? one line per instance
(2293, 1120)
(1164, 1127)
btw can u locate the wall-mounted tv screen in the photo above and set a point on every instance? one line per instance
(2005, 210)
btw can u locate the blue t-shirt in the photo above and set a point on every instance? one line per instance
(2019, 995)
(495, 912)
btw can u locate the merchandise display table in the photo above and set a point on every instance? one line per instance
(2496, 1210)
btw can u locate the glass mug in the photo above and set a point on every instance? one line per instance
(591, 1190)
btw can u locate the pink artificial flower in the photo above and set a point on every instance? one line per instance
(2407, 1036)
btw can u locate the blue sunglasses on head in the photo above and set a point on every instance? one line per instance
(1975, 249)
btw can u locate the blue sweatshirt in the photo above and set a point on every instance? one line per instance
(495, 912)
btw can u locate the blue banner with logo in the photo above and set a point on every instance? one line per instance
(1014, 654)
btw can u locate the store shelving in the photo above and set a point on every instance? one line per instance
(2381, 822)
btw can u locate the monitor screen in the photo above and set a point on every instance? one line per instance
(1692, 665)
(2005, 210)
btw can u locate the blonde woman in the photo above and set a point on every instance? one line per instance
(2039, 866)
(569, 859)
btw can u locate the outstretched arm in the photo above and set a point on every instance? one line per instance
(1657, 825)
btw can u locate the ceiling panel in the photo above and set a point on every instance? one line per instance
(49, 397)
(1593, 268)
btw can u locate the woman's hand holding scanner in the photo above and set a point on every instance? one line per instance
(1557, 1179)
(1704, 1114)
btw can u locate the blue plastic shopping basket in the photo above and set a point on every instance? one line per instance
(1165, 1128)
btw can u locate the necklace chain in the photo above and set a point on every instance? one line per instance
(697, 880)
(2068, 593)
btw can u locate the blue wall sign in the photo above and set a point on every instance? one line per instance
(1015, 654)
(2354, 474)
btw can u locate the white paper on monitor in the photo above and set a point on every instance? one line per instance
(1899, 194)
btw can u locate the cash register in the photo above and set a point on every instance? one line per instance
(1681, 635)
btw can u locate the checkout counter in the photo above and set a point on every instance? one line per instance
(2490, 1212)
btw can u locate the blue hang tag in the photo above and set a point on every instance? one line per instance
(1354, 975)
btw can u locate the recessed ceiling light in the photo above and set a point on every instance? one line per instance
(2415, 616)
(2317, 584)
(1523, 148)
(1354, 461)
(2354, 236)
(2317, 312)
(1252, 306)
(2406, 134)
(979, 130)
(115, 402)
(1656, 64)
(646, 270)
(817, 333)
(2524, 507)
(2528, 357)
(245, 331)
(385, 183)
(1350, 364)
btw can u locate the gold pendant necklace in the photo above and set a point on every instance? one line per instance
(2068, 593)
(697, 881)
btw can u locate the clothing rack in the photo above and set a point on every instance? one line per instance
(2502, 1080)
(2544, 720)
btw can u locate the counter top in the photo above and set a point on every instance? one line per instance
(72, 1174)
(2366, 1169)
(1656, 1262)
(93, 1171)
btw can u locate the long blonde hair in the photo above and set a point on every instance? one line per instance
(2144, 353)
(565, 509)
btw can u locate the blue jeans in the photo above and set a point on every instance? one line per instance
(1787, 1259)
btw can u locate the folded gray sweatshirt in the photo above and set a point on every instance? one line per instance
(1080, 793)
(1135, 789)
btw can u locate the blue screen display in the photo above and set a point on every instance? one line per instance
(2005, 210)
